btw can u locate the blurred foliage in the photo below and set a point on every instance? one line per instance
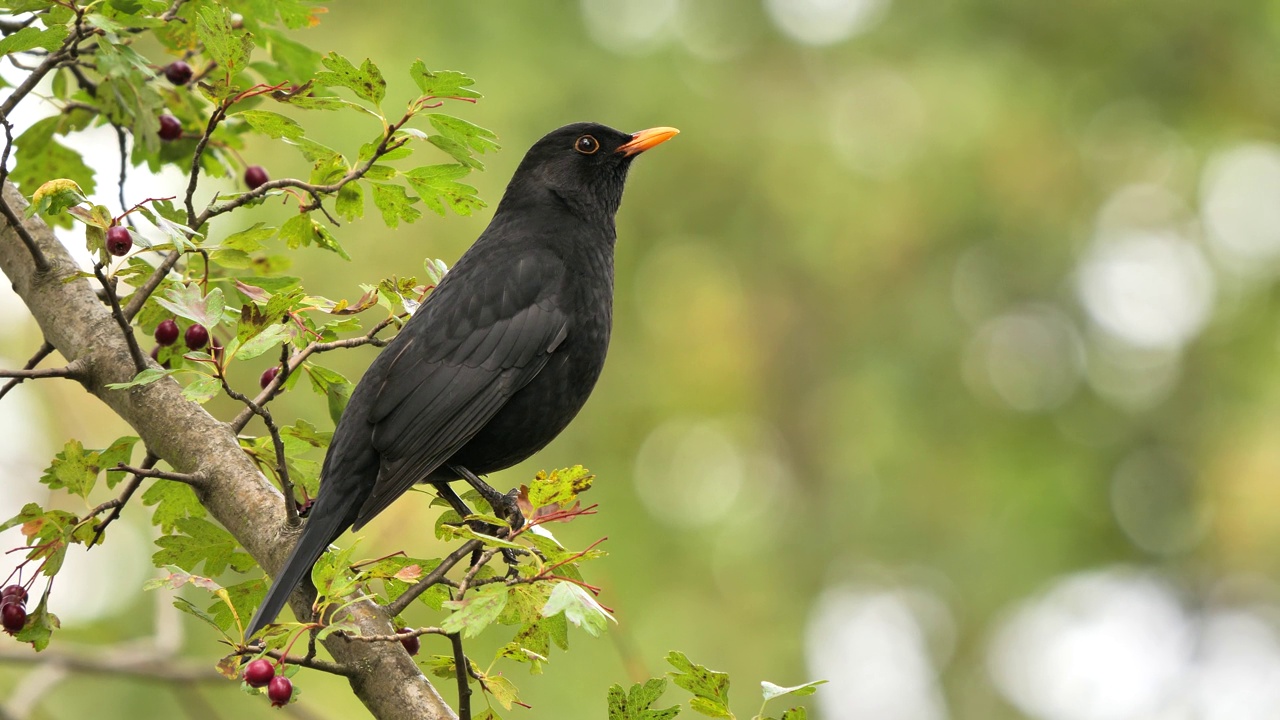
(803, 281)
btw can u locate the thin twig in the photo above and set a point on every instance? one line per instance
(123, 139)
(398, 605)
(192, 479)
(282, 465)
(139, 297)
(37, 255)
(45, 350)
(130, 487)
(51, 61)
(139, 360)
(314, 663)
(294, 362)
(218, 113)
(461, 670)
(71, 370)
(397, 637)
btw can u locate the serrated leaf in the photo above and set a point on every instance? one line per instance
(365, 81)
(332, 575)
(473, 136)
(437, 186)
(173, 502)
(560, 487)
(201, 542)
(72, 469)
(502, 690)
(442, 83)
(578, 607)
(224, 44)
(189, 302)
(55, 196)
(273, 125)
(637, 704)
(710, 687)
(350, 202)
(260, 343)
(29, 38)
(245, 597)
(475, 613)
(39, 626)
(394, 203)
(120, 451)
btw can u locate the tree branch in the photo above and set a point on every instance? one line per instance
(45, 350)
(181, 432)
(397, 606)
(129, 489)
(72, 370)
(139, 360)
(461, 670)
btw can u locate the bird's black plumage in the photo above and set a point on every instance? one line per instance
(498, 359)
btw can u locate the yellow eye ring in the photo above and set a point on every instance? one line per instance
(586, 145)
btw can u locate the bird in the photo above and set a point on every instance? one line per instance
(496, 361)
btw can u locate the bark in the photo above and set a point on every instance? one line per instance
(180, 432)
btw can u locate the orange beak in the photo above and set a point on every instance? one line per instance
(646, 139)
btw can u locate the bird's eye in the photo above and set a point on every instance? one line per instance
(586, 145)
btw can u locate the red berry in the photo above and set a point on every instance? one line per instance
(411, 644)
(258, 673)
(14, 591)
(170, 128)
(13, 617)
(279, 690)
(268, 375)
(178, 72)
(119, 241)
(196, 337)
(255, 176)
(167, 332)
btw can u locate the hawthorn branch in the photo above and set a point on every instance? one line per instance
(51, 61)
(72, 370)
(314, 663)
(434, 577)
(192, 479)
(461, 670)
(234, 492)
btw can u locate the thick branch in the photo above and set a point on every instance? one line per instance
(75, 322)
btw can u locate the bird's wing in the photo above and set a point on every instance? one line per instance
(474, 343)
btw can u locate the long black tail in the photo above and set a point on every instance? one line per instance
(323, 526)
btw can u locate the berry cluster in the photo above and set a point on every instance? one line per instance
(261, 673)
(13, 608)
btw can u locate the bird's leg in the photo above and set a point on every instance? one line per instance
(504, 505)
(460, 506)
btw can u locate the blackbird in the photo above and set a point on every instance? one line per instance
(499, 357)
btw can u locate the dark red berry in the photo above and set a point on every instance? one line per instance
(268, 375)
(119, 241)
(178, 72)
(255, 176)
(258, 673)
(279, 690)
(170, 128)
(411, 644)
(196, 337)
(14, 591)
(13, 617)
(167, 332)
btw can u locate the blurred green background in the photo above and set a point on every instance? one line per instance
(944, 364)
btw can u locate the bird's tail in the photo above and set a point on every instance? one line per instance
(321, 529)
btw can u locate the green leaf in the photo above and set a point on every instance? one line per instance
(189, 302)
(223, 43)
(561, 487)
(710, 687)
(273, 125)
(578, 607)
(365, 81)
(249, 240)
(202, 389)
(173, 502)
(637, 704)
(350, 202)
(772, 691)
(266, 340)
(245, 597)
(72, 469)
(55, 196)
(331, 384)
(457, 150)
(475, 613)
(29, 38)
(395, 204)
(502, 690)
(796, 713)
(146, 377)
(201, 542)
(442, 83)
(301, 230)
(120, 451)
(469, 134)
(437, 185)
(332, 575)
(40, 625)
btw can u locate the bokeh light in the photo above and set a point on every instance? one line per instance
(823, 22)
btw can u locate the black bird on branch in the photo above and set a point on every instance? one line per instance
(497, 360)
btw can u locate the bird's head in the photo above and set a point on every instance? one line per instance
(584, 165)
